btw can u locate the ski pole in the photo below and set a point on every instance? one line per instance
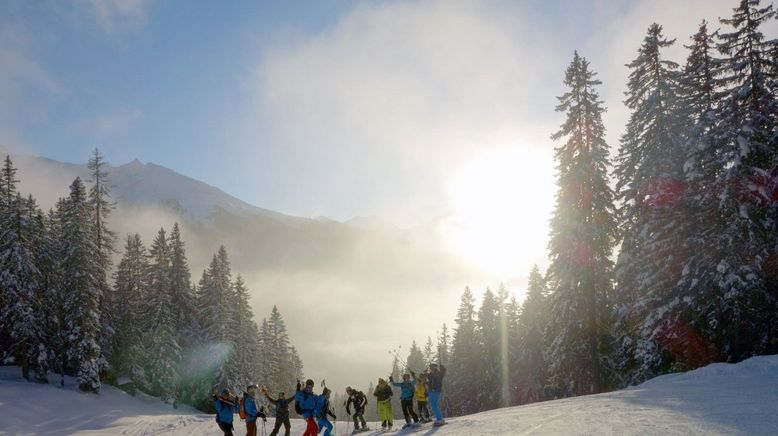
(399, 359)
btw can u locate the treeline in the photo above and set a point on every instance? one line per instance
(59, 312)
(691, 203)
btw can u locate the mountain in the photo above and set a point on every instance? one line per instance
(719, 399)
(138, 184)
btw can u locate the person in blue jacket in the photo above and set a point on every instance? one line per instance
(435, 383)
(323, 411)
(226, 406)
(252, 412)
(307, 402)
(408, 390)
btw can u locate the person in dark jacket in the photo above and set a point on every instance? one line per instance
(226, 406)
(282, 412)
(323, 410)
(408, 389)
(435, 385)
(308, 401)
(252, 412)
(359, 400)
(383, 393)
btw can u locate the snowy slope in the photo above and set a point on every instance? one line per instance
(717, 399)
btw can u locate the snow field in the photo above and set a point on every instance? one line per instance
(719, 399)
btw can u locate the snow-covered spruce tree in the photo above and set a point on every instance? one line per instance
(512, 314)
(508, 329)
(371, 409)
(739, 263)
(162, 351)
(20, 279)
(429, 352)
(464, 360)
(582, 237)
(215, 299)
(263, 360)
(129, 305)
(415, 361)
(532, 325)
(5, 340)
(80, 285)
(56, 314)
(42, 247)
(297, 363)
(278, 347)
(649, 174)
(696, 214)
(487, 374)
(244, 363)
(181, 291)
(443, 351)
(101, 205)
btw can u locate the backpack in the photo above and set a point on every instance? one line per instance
(360, 399)
(242, 408)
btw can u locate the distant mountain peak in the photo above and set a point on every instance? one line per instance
(145, 184)
(134, 163)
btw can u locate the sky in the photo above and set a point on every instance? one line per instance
(410, 111)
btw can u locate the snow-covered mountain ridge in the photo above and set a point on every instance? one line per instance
(139, 184)
(720, 399)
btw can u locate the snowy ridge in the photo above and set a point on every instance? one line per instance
(139, 184)
(717, 399)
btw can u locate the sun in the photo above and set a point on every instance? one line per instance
(502, 201)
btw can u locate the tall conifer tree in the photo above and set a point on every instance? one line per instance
(534, 318)
(583, 231)
(81, 287)
(464, 359)
(650, 183)
(20, 278)
(739, 262)
(101, 205)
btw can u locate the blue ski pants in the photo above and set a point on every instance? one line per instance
(435, 404)
(325, 424)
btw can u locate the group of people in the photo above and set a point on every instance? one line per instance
(315, 408)
(425, 389)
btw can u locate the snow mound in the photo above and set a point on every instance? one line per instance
(758, 365)
(723, 399)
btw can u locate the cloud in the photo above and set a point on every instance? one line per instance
(399, 93)
(110, 124)
(114, 16)
(27, 88)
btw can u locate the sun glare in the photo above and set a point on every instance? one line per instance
(502, 201)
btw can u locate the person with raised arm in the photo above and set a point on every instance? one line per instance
(281, 403)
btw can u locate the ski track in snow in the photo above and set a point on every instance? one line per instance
(718, 399)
